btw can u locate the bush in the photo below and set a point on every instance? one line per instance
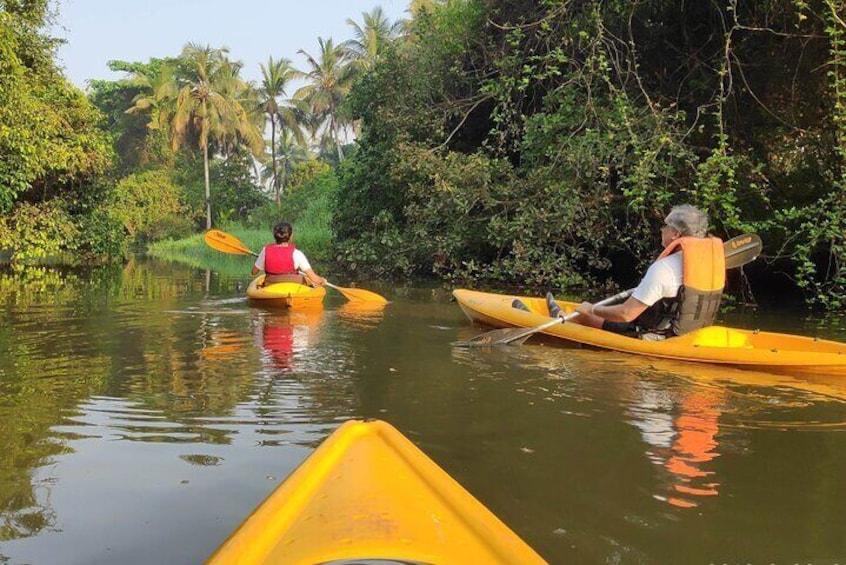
(149, 206)
(37, 231)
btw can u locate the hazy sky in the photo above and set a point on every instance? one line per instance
(98, 31)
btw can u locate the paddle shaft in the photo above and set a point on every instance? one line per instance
(539, 328)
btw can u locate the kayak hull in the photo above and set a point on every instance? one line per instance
(368, 493)
(756, 350)
(285, 294)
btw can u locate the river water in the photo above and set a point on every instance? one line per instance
(146, 410)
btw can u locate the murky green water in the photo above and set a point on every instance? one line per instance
(146, 411)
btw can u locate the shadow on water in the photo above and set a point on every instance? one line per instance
(153, 407)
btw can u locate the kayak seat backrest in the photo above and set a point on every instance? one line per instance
(718, 336)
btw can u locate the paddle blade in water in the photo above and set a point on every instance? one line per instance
(359, 294)
(226, 243)
(504, 336)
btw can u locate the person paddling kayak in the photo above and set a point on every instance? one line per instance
(680, 291)
(283, 262)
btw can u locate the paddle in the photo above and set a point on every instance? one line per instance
(516, 336)
(228, 243)
(739, 251)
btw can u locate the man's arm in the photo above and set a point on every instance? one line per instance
(625, 312)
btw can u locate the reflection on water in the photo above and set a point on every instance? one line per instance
(681, 437)
(686, 414)
(146, 410)
(363, 315)
(283, 334)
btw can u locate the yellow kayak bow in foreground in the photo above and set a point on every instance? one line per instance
(367, 493)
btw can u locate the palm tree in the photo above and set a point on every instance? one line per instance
(157, 96)
(371, 38)
(208, 106)
(291, 149)
(276, 76)
(330, 77)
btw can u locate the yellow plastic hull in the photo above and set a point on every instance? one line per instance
(762, 351)
(368, 493)
(285, 294)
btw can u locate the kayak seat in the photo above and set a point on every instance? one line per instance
(718, 336)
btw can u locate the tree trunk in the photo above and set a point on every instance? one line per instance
(337, 141)
(273, 153)
(283, 175)
(208, 190)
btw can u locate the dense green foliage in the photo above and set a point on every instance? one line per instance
(149, 206)
(51, 147)
(541, 143)
(518, 143)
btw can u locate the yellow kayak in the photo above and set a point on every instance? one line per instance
(285, 294)
(758, 350)
(367, 493)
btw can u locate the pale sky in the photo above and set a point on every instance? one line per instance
(98, 31)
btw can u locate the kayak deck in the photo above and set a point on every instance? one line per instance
(764, 351)
(368, 493)
(285, 294)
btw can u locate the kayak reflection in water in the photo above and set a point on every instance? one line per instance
(277, 341)
(281, 335)
(680, 291)
(283, 262)
(682, 435)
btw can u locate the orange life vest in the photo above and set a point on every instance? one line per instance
(703, 280)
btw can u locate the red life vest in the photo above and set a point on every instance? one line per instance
(279, 259)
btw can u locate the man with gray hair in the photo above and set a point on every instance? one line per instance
(688, 220)
(680, 291)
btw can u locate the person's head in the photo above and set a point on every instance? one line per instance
(282, 232)
(684, 221)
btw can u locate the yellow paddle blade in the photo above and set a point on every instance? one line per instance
(359, 294)
(226, 243)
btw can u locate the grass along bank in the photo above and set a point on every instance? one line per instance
(308, 208)
(194, 251)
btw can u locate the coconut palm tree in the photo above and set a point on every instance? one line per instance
(276, 77)
(330, 78)
(157, 96)
(209, 107)
(371, 37)
(291, 150)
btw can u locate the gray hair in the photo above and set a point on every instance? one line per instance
(688, 220)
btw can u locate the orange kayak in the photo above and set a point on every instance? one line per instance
(285, 294)
(368, 494)
(758, 350)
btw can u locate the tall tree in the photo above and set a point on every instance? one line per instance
(208, 106)
(330, 78)
(371, 37)
(291, 149)
(155, 101)
(276, 77)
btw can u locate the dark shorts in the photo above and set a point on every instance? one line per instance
(630, 329)
(624, 328)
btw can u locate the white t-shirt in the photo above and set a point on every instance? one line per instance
(662, 280)
(300, 261)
